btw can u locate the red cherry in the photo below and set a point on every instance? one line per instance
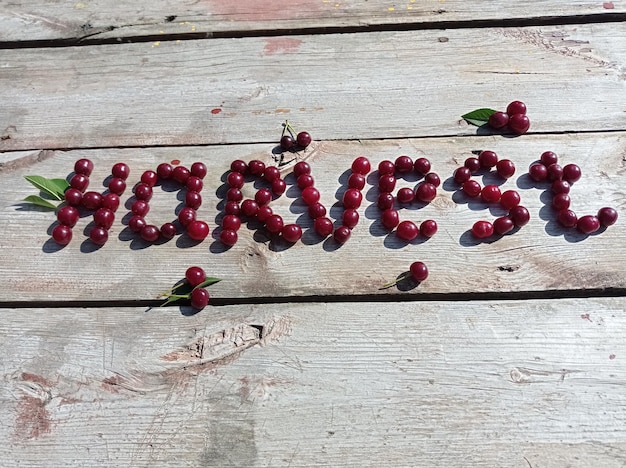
(519, 123)
(482, 229)
(498, 120)
(516, 107)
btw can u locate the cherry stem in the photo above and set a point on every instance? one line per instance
(288, 128)
(393, 283)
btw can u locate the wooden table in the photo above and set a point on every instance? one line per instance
(511, 353)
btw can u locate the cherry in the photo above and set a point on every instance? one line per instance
(560, 186)
(104, 218)
(403, 164)
(490, 193)
(462, 174)
(195, 275)
(301, 168)
(62, 234)
(519, 123)
(503, 225)
(234, 194)
(482, 229)
(92, 200)
(390, 218)
(432, 178)
(111, 201)
(180, 174)
(143, 192)
(555, 172)
(425, 192)
(303, 139)
(186, 216)
(487, 159)
(194, 184)
(249, 207)
(239, 166)
(350, 218)
(516, 107)
(291, 232)
(386, 167)
(571, 173)
(419, 271)
(120, 170)
(385, 201)
(352, 198)
(387, 183)
(342, 234)
(310, 195)
(567, 218)
(231, 222)
(235, 179)
(140, 207)
(199, 170)
(317, 210)
(136, 223)
(505, 168)
(150, 233)
(168, 230)
(79, 182)
(607, 216)
(198, 230)
(561, 201)
(256, 167)
(264, 213)
(263, 196)
(538, 172)
(287, 142)
(520, 215)
(323, 226)
(548, 158)
(278, 187)
(73, 197)
(274, 224)
(68, 216)
(588, 224)
(305, 180)
(498, 120)
(98, 235)
(199, 298)
(117, 185)
(422, 166)
(406, 195)
(164, 171)
(473, 164)
(149, 178)
(228, 237)
(193, 200)
(407, 231)
(428, 228)
(509, 199)
(471, 188)
(361, 165)
(356, 181)
(232, 208)
(83, 166)
(271, 173)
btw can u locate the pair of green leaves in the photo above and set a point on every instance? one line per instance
(52, 188)
(478, 117)
(182, 290)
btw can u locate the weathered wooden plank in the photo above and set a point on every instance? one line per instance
(39, 20)
(540, 257)
(197, 92)
(455, 384)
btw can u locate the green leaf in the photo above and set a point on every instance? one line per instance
(52, 187)
(37, 200)
(208, 282)
(478, 117)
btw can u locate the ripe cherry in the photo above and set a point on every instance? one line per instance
(407, 231)
(120, 170)
(350, 218)
(287, 142)
(428, 228)
(193, 200)
(432, 178)
(199, 170)
(168, 230)
(143, 192)
(567, 218)
(231, 222)
(235, 179)
(461, 175)
(104, 218)
(323, 226)
(361, 165)
(79, 182)
(419, 271)
(195, 275)
(519, 123)
(198, 230)
(228, 237)
(305, 180)
(498, 120)
(264, 213)
(422, 166)
(548, 158)
(301, 168)
(538, 172)
(164, 171)
(607, 216)
(310, 195)
(303, 139)
(234, 194)
(278, 187)
(199, 298)
(472, 188)
(520, 215)
(503, 225)
(117, 185)
(274, 224)
(406, 195)
(487, 159)
(555, 172)
(62, 234)
(509, 199)
(386, 167)
(317, 210)
(263, 196)
(68, 216)
(588, 224)
(356, 181)
(150, 233)
(342, 234)
(292, 232)
(140, 207)
(92, 200)
(149, 178)
(490, 193)
(390, 218)
(505, 168)
(136, 223)
(473, 164)
(352, 198)
(425, 192)
(271, 173)
(385, 201)
(180, 174)
(387, 183)
(404, 164)
(73, 197)
(482, 229)
(249, 207)
(186, 216)
(571, 173)
(239, 166)
(98, 235)
(111, 201)
(516, 107)
(232, 208)
(83, 166)
(256, 168)
(560, 186)
(194, 184)
(561, 201)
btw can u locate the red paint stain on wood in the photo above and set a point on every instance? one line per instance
(263, 10)
(608, 5)
(175, 162)
(28, 377)
(33, 419)
(112, 384)
(281, 45)
(612, 356)
(585, 317)
(216, 111)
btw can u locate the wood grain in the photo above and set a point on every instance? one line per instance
(201, 92)
(102, 19)
(540, 257)
(511, 384)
